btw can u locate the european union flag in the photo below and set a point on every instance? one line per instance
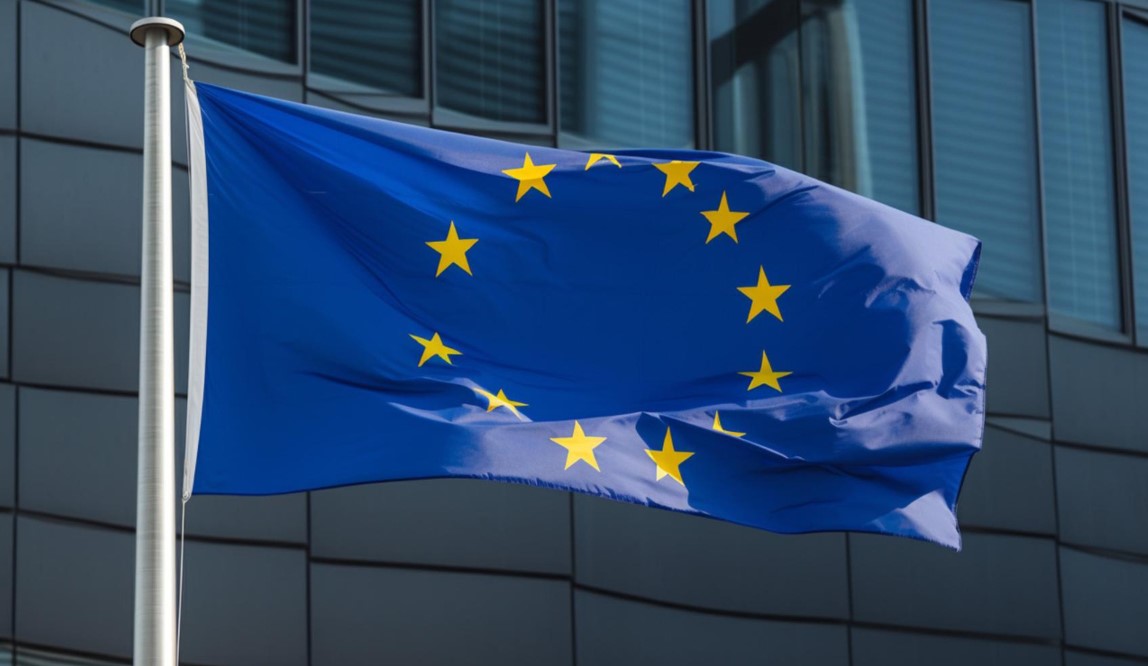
(693, 331)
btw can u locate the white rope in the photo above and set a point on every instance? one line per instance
(183, 501)
(183, 60)
(179, 585)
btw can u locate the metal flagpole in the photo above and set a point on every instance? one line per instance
(155, 499)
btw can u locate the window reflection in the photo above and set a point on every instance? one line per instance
(755, 78)
(490, 59)
(266, 27)
(824, 86)
(1135, 37)
(376, 46)
(30, 657)
(984, 143)
(860, 99)
(137, 7)
(1079, 190)
(627, 73)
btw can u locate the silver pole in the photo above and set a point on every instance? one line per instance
(155, 499)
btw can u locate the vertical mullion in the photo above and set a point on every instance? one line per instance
(1120, 173)
(703, 97)
(550, 48)
(1042, 244)
(555, 88)
(796, 7)
(1041, 224)
(431, 77)
(424, 54)
(303, 20)
(924, 110)
(307, 596)
(11, 340)
(301, 39)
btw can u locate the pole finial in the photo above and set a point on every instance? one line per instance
(140, 28)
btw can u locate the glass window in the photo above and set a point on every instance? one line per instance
(984, 144)
(755, 76)
(266, 27)
(376, 46)
(490, 59)
(1135, 38)
(1079, 190)
(861, 95)
(138, 7)
(627, 73)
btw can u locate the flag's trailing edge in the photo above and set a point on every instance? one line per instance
(693, 331)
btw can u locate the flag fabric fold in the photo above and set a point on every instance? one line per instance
(687, 330)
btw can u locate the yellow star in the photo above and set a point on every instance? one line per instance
(579, 447)
(718, 428)
(529, 176)
(722, 220)
(453, 251)
(501, 400)
(435, 347)
(763, 296)
(677, 173)
(668, 460)
(596, 157)
(765, 376)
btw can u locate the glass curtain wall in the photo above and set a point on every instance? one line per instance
(374, 47)
(984, 138)
(1079, 183)
(490, 59)
(626, 73)
(266, 27)
(857, 62)
(827, 87)
(755, 78)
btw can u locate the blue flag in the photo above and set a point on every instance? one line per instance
(693, 331)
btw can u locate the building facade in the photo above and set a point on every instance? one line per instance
(1024, 122)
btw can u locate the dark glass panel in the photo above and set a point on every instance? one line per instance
(860, 97)
(755, 77)
(266, 27)
(375, 45)
(1079, 190)
(490, 59)
(984, 138)
(627, 73)
(137, 7)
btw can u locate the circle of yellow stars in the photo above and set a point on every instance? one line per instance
(723, 220)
